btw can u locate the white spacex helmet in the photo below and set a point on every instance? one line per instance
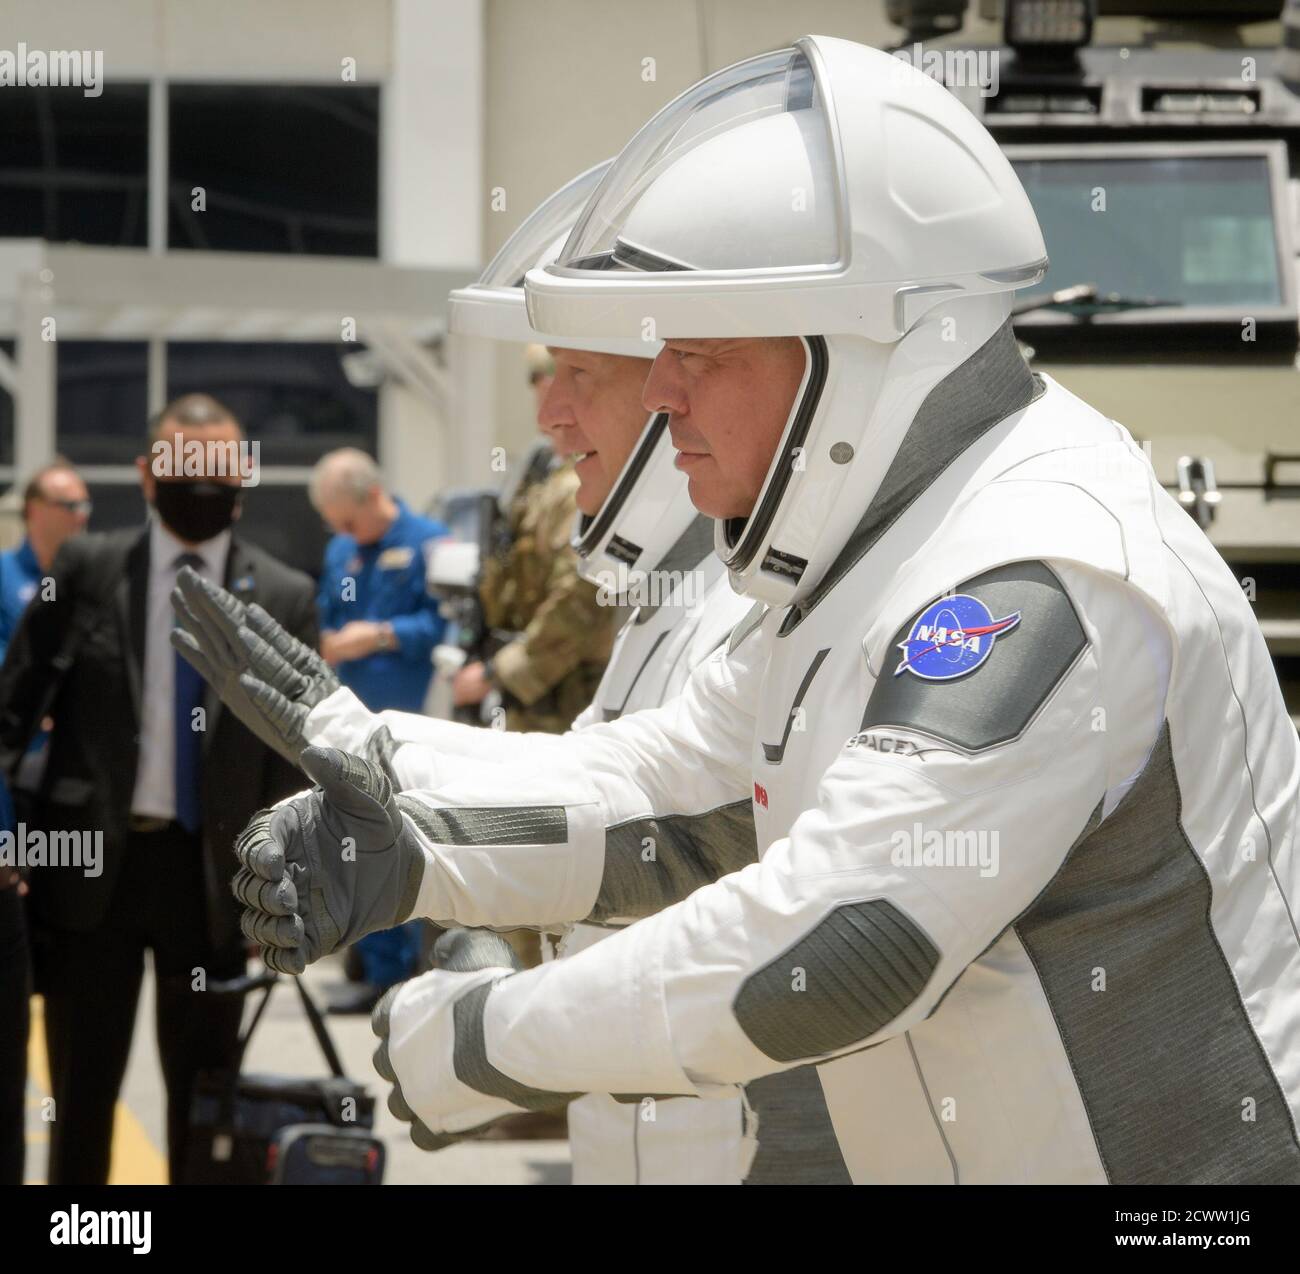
(648, 508)
(827, 191)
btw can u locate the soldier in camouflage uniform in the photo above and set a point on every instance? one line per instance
(548, 673)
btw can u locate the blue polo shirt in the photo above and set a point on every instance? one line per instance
(20, 574)
(384, 582)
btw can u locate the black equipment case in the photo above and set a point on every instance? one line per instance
(249, 1129)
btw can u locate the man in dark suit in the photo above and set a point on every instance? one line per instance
(143, 755)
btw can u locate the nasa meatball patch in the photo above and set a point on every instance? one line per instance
(974, 667)
(952, 637)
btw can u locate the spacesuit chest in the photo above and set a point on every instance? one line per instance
(814, 693)
(640, 663)
(658, 648)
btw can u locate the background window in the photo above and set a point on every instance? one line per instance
(74, 167)
(293, 398)
(102, 400)
(304, 176)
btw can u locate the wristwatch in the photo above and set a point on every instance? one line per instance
(387, 638)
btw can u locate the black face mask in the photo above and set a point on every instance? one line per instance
(195, 511)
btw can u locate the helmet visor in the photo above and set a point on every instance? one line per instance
(493, 307)
(543, 231)
(684, 192)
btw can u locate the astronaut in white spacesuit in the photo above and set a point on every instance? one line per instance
(1024, 786)
(643, 543)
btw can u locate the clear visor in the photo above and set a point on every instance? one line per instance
(683, 193)
(494, 306)
(540, 236)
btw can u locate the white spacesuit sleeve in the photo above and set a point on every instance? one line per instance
(612, 822)
(590, 715)
(935, 827)
(412, 744)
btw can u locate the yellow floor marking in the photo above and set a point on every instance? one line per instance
(136, 1160)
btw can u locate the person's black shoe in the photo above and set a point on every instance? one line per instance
(353, 967)
(352, 998)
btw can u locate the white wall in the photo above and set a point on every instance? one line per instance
(303, 40)
(431, 165)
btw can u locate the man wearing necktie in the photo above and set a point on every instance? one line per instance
(142, 753)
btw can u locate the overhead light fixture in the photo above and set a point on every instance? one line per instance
(926, 19)
(1048, 30)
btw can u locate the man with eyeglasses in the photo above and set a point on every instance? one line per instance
(56, 506)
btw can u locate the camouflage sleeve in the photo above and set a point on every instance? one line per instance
(569, 627)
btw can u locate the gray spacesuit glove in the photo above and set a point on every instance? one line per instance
(226, 640)
(457, 951)
(277, 657)
(329, 866)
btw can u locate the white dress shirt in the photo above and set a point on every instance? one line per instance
(155, 776)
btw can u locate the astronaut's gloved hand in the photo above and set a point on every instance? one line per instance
(432, 1050)
(277, 657)
(206, 636)
(228, 642)
(329, 866)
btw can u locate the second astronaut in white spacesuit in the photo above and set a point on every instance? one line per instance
(641, 541)
(1024, 785)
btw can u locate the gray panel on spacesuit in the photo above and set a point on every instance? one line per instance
(470, 1059)
(1167, 1059)
(651, 863)
(490, 825)
(749, 624)
(854, 973)
(999, 696)
(796, 1140)
(691, 547)
(379, 749)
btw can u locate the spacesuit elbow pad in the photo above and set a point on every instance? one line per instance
(863, 965)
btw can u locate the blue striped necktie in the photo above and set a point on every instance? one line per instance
(186, 697)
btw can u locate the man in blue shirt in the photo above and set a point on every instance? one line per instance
(378, 628)
(378, 623)
(56, 506)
